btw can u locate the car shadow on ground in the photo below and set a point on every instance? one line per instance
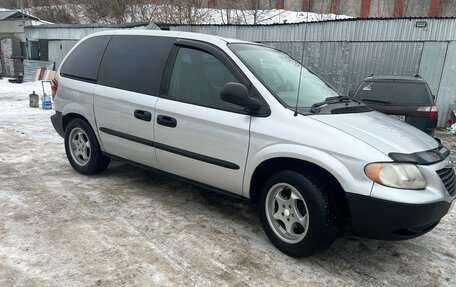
(347, 249)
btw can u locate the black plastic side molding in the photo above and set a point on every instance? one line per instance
(181, 152)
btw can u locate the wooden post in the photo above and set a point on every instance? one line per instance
(398, 8)
(305, 5)
(334, 7)
(365, 8)
(280, 4)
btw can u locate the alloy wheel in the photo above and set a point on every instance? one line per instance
(287, 212)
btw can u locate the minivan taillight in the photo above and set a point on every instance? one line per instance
(54, 87)
(428, 112)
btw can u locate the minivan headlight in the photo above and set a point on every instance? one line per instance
(397, 175)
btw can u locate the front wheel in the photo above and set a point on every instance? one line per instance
(82, 148)
(297, 214)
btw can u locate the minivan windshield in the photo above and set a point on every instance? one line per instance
(281, 75)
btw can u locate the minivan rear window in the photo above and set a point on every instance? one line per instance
(84, 61)
(394, 93)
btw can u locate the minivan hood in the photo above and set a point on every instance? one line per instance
(380, 131)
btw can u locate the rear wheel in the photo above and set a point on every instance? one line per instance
(297, 214)
(82, 148)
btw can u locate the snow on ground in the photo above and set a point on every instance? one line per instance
(24, 88)
(128, 226)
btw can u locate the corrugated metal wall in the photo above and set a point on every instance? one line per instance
(59, 49)
(446, 97)
(34, 33)
(78, 31)
(432, 61)
(349, 30)
(345, 52)
(345, 64)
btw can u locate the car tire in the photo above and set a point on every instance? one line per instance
(82, 148)
(297, 214)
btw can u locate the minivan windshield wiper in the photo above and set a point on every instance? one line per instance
(377, 101)
(331, 100)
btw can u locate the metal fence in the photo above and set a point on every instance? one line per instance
(344, 52)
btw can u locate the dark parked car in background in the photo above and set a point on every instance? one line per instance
(408, 99)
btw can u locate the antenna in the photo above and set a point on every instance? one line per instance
(299, 83)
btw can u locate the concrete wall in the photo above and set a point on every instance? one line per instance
(10, 58)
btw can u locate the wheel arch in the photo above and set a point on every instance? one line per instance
(82, 108)
(273, 165)
(94, 161)
(67, 118)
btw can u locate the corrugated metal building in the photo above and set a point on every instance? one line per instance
(344, 52)
(12, 23)
(12, 48)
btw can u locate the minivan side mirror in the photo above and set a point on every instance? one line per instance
(351, 94)
(238, 94)
(433, 98)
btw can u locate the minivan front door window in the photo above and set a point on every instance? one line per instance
(198, 77)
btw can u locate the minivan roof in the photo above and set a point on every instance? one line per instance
(395, 78)
(176, 34)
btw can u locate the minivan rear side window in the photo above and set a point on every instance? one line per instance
(394, 93)
(135, 63)
(84, 61)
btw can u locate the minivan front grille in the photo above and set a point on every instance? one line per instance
(449, 179)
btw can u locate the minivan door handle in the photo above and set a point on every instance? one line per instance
(166, 121)
(143, 115)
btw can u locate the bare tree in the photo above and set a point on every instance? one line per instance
(448, 8)
(227, 11)
(56, 11)
(171, 11)
(9, 4)
(188, 11)
(251, 13)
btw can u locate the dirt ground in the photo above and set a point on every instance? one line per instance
(131, 227)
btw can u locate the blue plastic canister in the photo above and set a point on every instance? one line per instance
(46, 103)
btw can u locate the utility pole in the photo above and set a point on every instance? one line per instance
(21, 3)
(23, 27)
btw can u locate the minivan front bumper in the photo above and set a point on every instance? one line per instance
(389, 220)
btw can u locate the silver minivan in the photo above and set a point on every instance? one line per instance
(246, 119)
